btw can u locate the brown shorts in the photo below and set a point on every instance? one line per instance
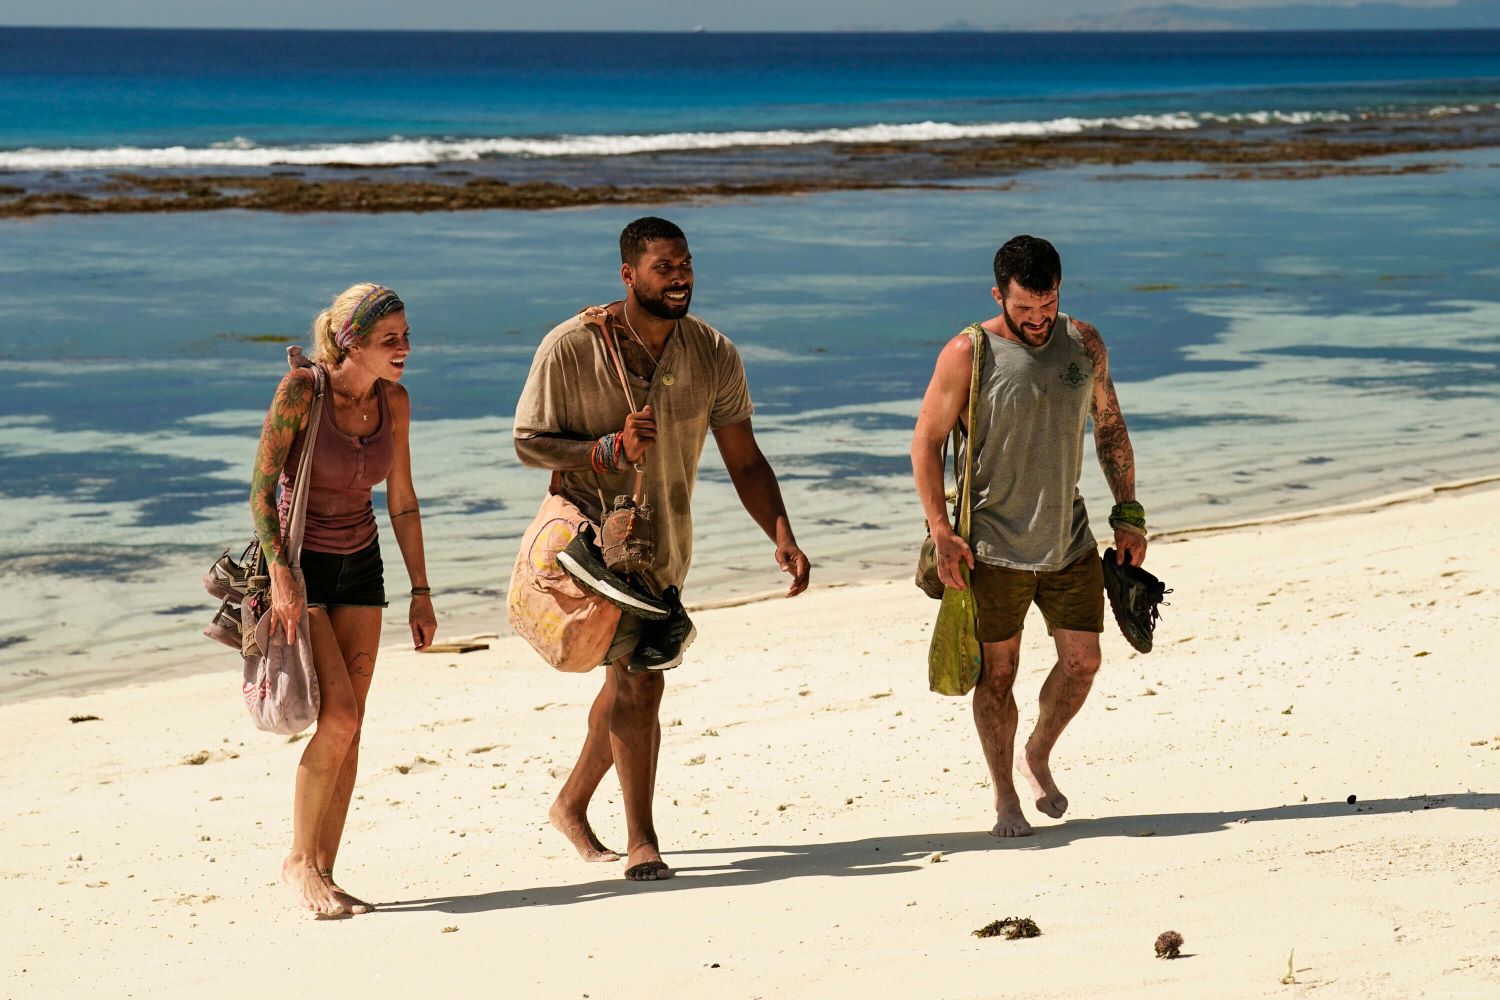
(627, 637)
(1070, 598)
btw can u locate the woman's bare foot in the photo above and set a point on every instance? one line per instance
(576, 828)
(1037, 770)
(302, 875)
(645, 865)
(351, 903)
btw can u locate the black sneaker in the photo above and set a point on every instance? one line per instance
(585, 563)
(663, 642)
(1135, 597)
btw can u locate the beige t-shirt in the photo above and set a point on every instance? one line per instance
(698, 386)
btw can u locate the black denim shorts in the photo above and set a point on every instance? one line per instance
(355, 580)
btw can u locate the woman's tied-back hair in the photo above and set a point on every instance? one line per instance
(1032, 261)
(639, 234)
(350, 318)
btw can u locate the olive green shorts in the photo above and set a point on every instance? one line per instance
(1070, 598)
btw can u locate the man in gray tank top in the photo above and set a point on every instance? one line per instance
(1044, 376)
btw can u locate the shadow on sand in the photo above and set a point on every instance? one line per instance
(890, 855)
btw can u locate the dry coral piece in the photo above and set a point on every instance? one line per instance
(1168, 944)
(1010, 928)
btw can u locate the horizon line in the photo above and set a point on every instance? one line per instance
(701, 30)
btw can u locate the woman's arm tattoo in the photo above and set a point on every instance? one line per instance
(288, 412)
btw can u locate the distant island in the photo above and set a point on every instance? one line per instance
(1466, 14)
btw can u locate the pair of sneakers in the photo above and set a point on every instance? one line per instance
(1135, 597)
(666, 631)
(663, 640)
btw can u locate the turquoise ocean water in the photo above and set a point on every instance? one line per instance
(1279, 345)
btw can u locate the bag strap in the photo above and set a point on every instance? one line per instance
(612, 350)
(297, 514)
(976, 352)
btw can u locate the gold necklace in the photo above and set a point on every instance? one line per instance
(359, 404)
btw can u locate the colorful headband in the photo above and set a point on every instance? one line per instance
(378, 302)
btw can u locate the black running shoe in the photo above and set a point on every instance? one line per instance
(585, 563)
(663, 642)
(1134, 596)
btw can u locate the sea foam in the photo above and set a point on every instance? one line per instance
(240, 152)
(402, 150)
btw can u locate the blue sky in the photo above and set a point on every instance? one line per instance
(605, 15)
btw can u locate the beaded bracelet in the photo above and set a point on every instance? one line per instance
(607, 452)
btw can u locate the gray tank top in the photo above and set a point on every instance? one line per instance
(1028, 429)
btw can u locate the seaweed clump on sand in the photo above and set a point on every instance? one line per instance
(1010, 928)
(1168, 944)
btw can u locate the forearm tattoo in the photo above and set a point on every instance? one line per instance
(1112, 445)
(1111, 440)
(287, 413)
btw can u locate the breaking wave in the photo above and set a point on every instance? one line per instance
(399, 150)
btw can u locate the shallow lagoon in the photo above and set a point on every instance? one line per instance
(1278, 345)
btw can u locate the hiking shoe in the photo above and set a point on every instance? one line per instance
(1134, 596)
(225, 626)
(585, 563)
(663, 642)
(225, 579)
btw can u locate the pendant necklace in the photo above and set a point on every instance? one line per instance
(667, 378)
(358, 404)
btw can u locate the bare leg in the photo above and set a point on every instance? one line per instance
(634, 733)
(358, 634)
(1063, 694)
(317, 773)
(569, 812)
(995, 717)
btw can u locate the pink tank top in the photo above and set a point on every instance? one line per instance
(340, 516)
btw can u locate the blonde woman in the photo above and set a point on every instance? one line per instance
(362, 343)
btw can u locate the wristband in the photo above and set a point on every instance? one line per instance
(421, 591)
(1129, 515)
(606, 455)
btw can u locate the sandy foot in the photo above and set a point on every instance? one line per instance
(580, 834)
(349, 902)
(314, 893)
(1049, 800)
(645, 865)
(1010, 823)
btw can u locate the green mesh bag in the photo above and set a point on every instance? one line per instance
(954, 659)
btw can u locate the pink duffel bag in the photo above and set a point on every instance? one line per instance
(571, 628)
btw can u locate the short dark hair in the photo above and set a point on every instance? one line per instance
(1032, 261)
(634, 237)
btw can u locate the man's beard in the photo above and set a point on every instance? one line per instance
(1025, 335)
(659, 307)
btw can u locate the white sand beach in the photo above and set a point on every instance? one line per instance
(1306, 767)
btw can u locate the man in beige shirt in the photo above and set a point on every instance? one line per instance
(686, 380)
